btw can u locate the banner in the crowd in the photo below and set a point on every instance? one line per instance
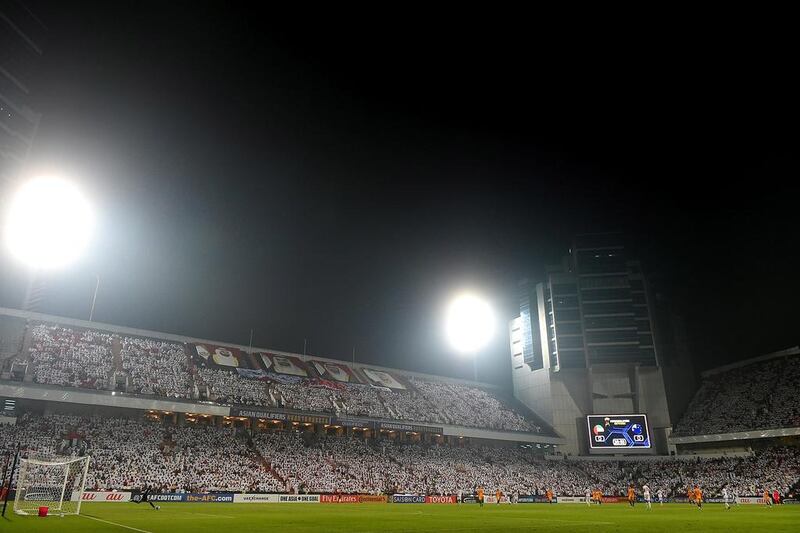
(440, 499)
(254, 413)
(353, 422)
(276, 498)
(570, 499)
(325, 384)
(339, 498)
(282, 364)
(89, 496)
(286, 379)
(223, 357)
(334, 371)
(407, 498)
(411, 427)
(252, 373)
(383, 379)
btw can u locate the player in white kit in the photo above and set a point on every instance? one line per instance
(726, 498)
(660, 495)
(588, 497)
(647, 498)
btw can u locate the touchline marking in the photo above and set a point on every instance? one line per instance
(114, 523)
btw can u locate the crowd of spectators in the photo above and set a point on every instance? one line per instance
(86, 358)
(155, 367)
(761, 395)
(132, 453)
(70, 358)
(472, 406)
(227, 387)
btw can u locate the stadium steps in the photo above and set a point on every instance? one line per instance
(116, 354)
(267, 465)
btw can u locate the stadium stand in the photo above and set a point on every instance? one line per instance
(760, 395)
(130, 453)
(156, 367)
(70, 358)
(64, 356)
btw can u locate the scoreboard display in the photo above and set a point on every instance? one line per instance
(8, 407)
(609, 433)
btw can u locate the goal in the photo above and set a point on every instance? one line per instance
(57, 485)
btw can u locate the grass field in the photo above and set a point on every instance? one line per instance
(236, 518)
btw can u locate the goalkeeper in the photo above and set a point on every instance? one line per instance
(144, 497)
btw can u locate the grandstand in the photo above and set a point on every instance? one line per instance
(159, 367)
(200, 420)
(756, 394)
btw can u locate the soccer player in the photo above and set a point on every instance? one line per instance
(631, 496)
(480, 496)
(690, 495)
(498, 495)
(767, 499)
(660, 495)
(698, 497)
(647, 497)
(588, 497)
(776, 497)
(726, 498)
(144, 496)
(549, 495)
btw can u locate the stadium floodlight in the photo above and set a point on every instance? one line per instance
(48, 224)
(469, 323)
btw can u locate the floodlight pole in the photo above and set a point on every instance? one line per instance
(94, 298)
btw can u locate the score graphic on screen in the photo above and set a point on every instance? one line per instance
(608, 432)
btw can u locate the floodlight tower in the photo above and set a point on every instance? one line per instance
(48, 226)
(469, 326)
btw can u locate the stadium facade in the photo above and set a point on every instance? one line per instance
(22, 37)
(584, 344)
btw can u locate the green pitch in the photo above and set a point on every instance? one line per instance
(378, 518)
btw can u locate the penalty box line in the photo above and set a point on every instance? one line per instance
(90, 517)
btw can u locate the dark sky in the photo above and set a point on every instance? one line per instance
(337, 179)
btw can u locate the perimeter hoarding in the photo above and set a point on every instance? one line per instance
(618, 433)
(276, 498)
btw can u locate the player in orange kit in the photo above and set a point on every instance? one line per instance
(631, 496)
(698, 496)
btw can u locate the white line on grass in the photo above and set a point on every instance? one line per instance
(114, 523)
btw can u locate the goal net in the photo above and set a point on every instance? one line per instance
(57, 485)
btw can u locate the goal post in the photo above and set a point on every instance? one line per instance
(57, 485)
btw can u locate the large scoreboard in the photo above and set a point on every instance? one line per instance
(8, 407)
(618, 433)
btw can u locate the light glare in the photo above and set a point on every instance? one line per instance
(469, 323)
(49, 223)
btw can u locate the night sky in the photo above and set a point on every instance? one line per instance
(337, 180)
